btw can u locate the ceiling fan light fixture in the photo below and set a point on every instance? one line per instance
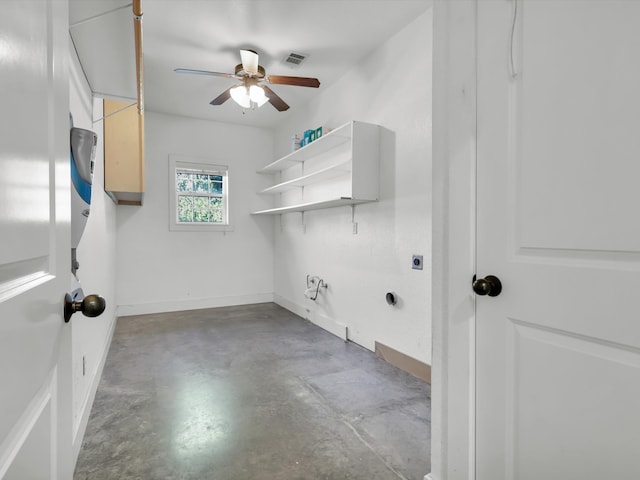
(241, 96)
(249, 96)
(257, 95)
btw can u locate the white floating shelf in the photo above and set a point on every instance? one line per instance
(349, 154)
(338, 202)
(324, 174)
(323, 144)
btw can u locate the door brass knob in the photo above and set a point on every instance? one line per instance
(488, 285)
(91, 306)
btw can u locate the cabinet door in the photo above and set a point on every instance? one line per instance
(123, 152)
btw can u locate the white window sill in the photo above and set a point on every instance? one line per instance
(200, 227)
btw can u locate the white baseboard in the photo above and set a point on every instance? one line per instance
(192, 304)
(291, 306)
(81, 427)
(327, 323)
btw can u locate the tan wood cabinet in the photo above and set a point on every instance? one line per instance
(123, 153)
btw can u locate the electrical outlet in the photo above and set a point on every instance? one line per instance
(416, 262)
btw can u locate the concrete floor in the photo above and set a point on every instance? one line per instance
(251, 392)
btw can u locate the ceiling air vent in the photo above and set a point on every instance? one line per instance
(294, 59)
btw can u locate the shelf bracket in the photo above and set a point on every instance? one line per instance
(304, 225)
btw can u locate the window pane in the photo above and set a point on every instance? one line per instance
(201, 183)
(200, 194)
(185, 208)
(184, 182)
(201, 209)
(216, 209)
(216, 187)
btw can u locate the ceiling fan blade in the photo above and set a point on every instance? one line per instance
(295, 81)
(223, 97)
(249, 61)
(275, 100)
(203, 72)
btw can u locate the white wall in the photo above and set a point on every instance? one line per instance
(392, 88)
(96, 253)
(161, 270)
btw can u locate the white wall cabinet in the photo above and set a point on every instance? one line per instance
(340, 168)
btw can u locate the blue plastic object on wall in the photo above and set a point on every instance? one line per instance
(83, 148)
(81, 186)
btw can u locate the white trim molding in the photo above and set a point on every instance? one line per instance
(83, 419)
(453, 313)
(192, 304)
(323, 321)
(197, 165)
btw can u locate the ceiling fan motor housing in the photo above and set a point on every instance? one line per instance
(239, 70)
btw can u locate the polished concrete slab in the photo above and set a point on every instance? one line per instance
(251, 392)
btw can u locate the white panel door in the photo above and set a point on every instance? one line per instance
(558, 221)
(35, 393)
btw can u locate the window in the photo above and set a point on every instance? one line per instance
(199, 195)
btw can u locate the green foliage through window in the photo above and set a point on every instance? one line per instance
(200, 197)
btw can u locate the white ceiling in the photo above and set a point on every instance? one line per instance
(208, 34)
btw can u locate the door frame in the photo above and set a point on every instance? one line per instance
(454, 206)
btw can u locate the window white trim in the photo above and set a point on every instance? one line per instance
(180, 162)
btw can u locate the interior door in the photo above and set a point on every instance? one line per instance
(558, 222)
(35, 350)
